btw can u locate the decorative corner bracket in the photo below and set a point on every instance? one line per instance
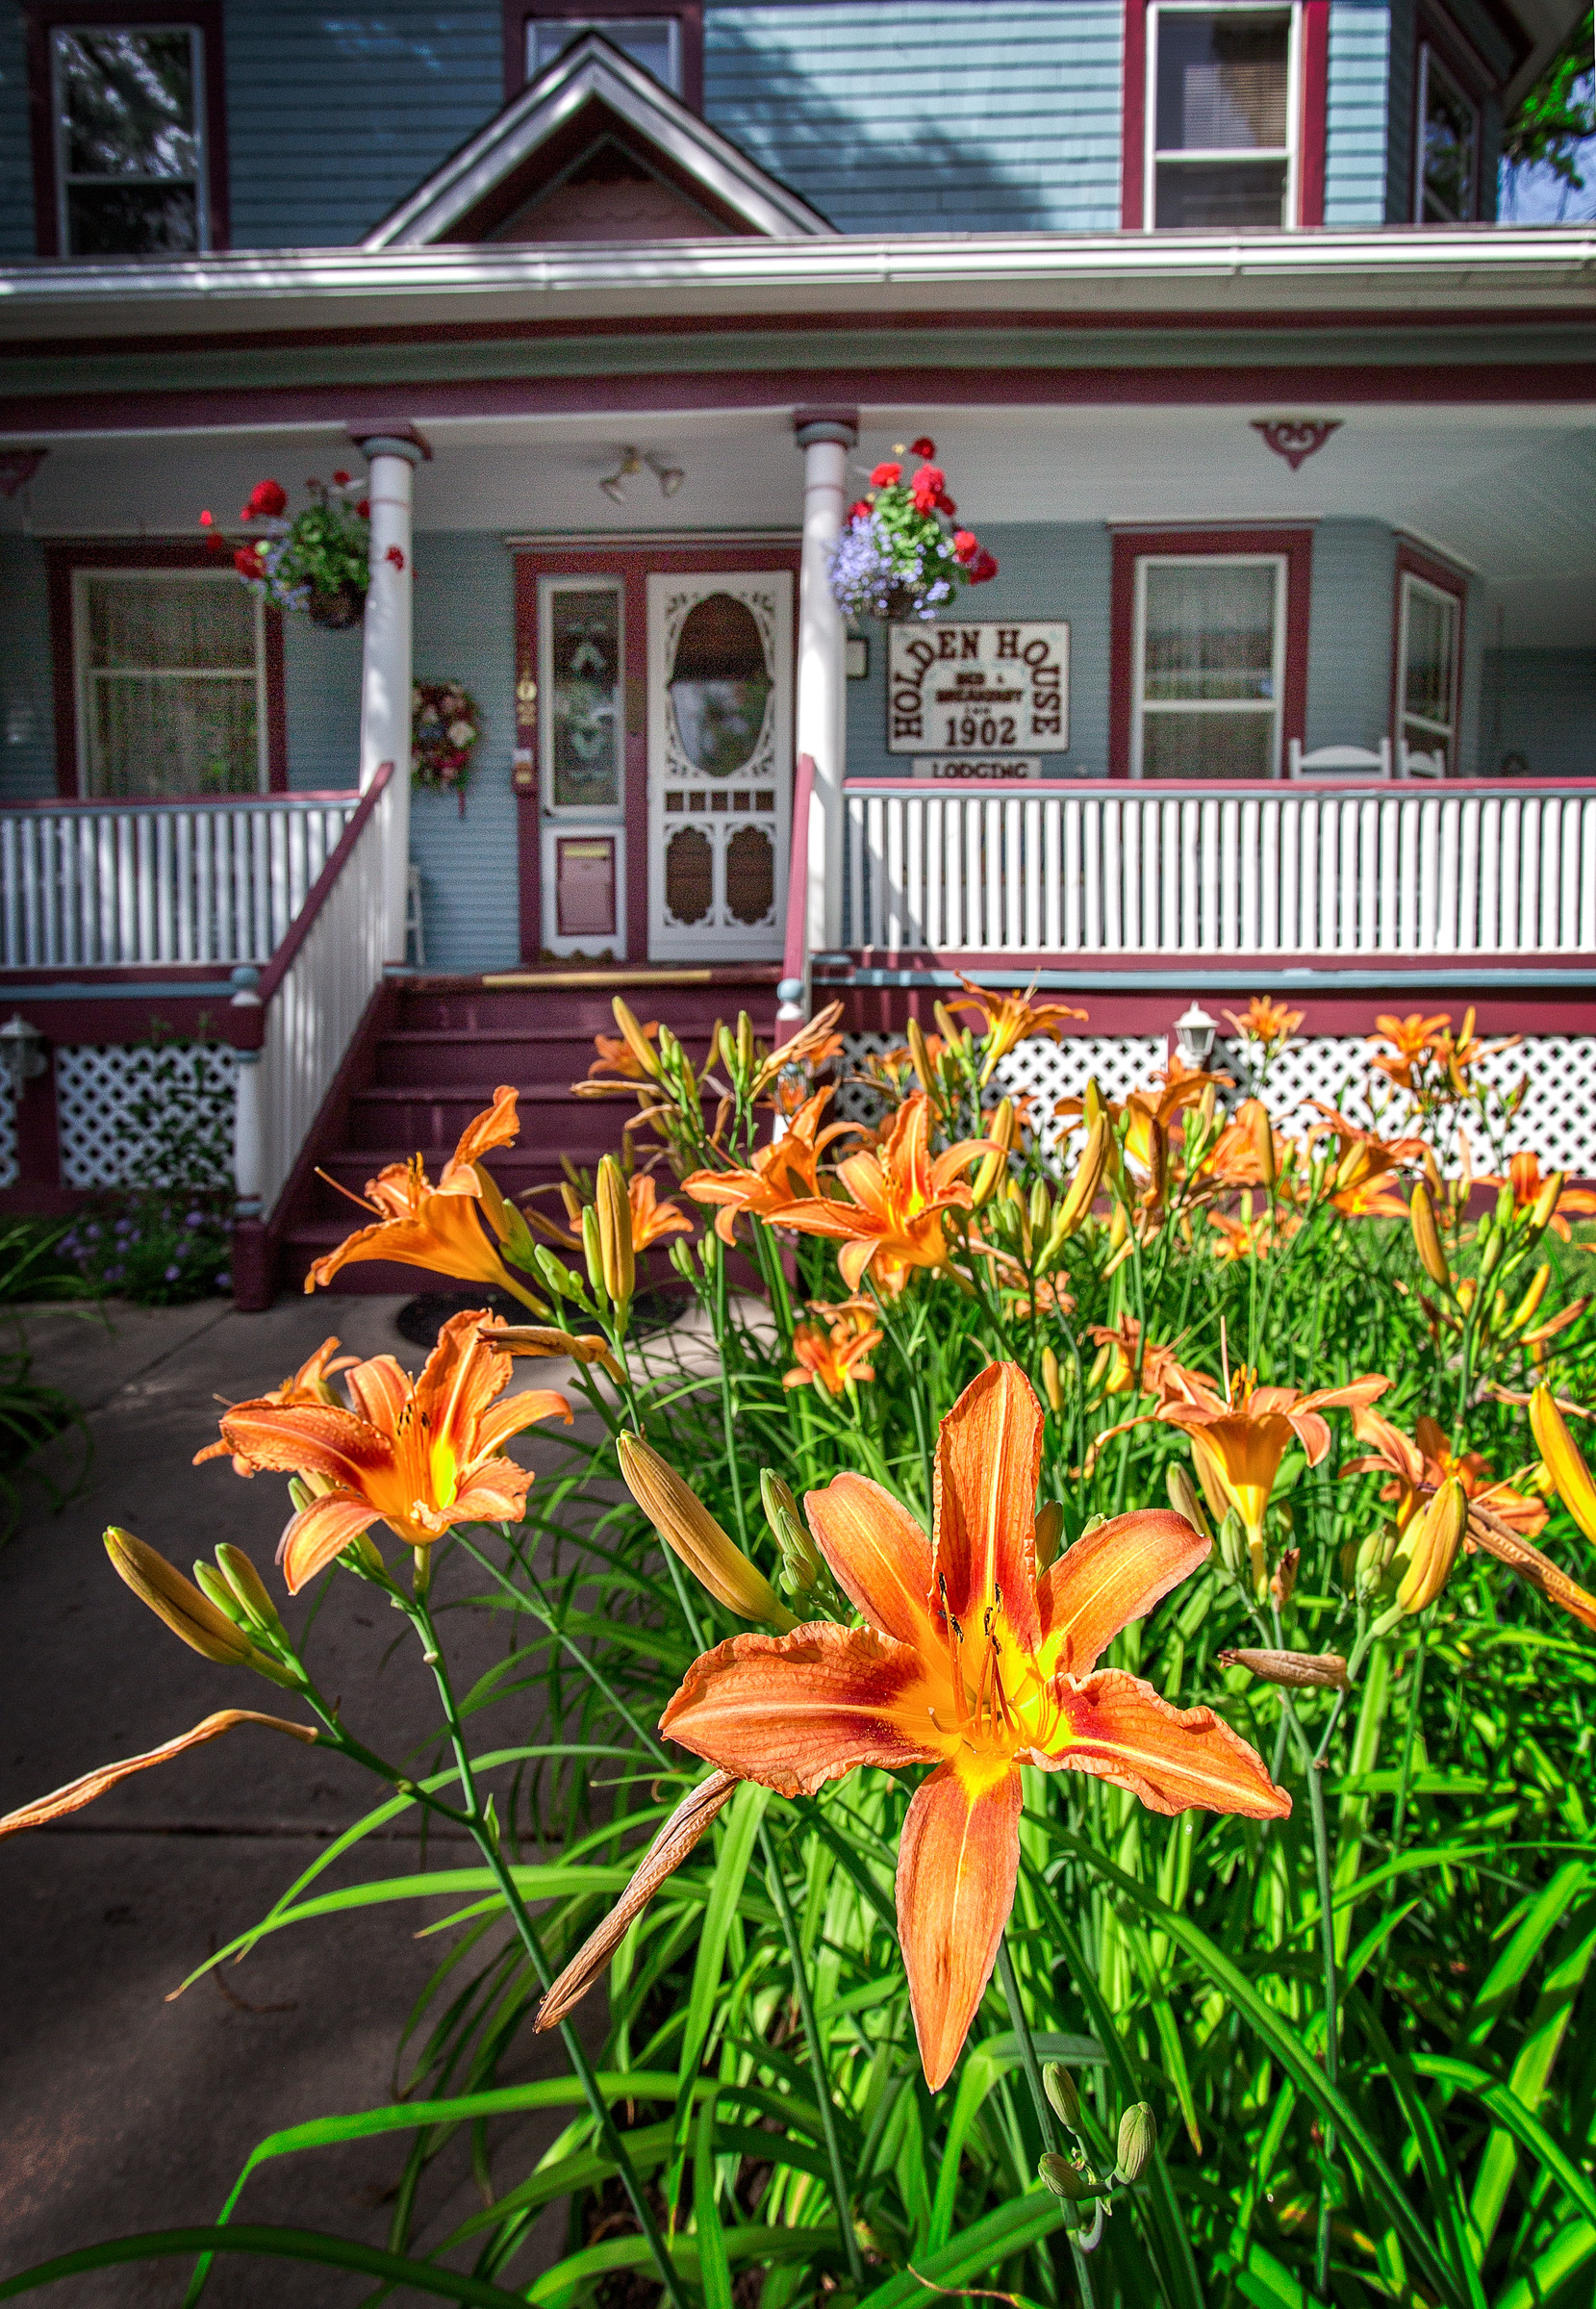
(1296, 437)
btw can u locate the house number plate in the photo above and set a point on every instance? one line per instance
(977, 689)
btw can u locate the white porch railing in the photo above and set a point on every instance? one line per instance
(97, 884)
(313, 993)
(1054, 867)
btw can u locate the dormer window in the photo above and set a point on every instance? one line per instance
(655, 43)
(1223, 107)
(665, 37)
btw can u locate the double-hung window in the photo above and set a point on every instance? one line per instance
(1429, 620)
(1210, 664)
(128, 109)
(1448, 156)
(1223, 110)
(171, 683)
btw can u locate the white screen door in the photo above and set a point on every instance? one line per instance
(720, 764)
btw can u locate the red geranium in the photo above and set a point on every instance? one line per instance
(924, 446)
(886, 475)
(926, 488)
(859, 510)
(945, 505)
(363, 508)
(966, 545)
(340, 478)
(983, 567)
(267, 498)
(247, 562)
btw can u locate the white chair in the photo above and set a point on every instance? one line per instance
(1415, 763)
(1339, 761)
(415, 934)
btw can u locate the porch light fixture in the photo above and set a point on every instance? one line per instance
(669, 476)
(22, 1058)
(1194, 1034)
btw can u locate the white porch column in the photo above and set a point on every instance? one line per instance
(386, 664)
(826, 437)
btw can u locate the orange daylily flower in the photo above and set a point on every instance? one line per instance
(1239, 1436)
(1527, 1180)
(1361, 1184)
(1162, 1370)
(1246, 1236)
(834, 1359)
(1421, 1464)
(652, 1220)
(418, 1455)
(898, 1195)
(617, 1056)
(1266, 1022)
(419, 1225)
(1010, 1019)
(1415, 1039)
(779, 1175)
(972, 1662)
(312, 1383)
(1234, 1159)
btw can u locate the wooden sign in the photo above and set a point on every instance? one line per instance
(977, 689)
(965, 767)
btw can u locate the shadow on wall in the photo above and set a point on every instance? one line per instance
(1538, 713)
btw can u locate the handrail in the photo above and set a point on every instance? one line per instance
(795, 943)
(322, 889)
(1229, 789)
(317, 797)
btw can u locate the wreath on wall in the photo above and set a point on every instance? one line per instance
(443, 730)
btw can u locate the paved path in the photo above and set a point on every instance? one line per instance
(120, 2111)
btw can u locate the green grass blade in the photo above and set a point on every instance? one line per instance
(274, 2244)
(714, 2266)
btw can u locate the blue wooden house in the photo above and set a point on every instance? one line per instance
(1286, 448)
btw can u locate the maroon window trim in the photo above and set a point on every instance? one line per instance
(1434, 30)
(43, 17)
(688, 14)
(1310, 127)
(61, 561)
(1411, 562)
(1296, 546)
(634, 570)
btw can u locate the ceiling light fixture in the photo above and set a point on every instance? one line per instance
(614, 483)
(669, 476)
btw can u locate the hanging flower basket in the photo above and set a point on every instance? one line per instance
(898, 555)
(318, 565)
(445, 728)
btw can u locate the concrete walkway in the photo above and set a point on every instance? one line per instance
(120, 2110)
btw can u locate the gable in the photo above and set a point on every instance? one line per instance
(595, 149)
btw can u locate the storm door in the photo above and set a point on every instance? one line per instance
(720, 764)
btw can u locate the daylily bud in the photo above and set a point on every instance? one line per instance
(1427, 1240)
(637, 1042)
(617, 1259)
(1263, 1142)
(1052, 1387)
(1138, 2138)
(1547, 1201)
(994, 1168)
(1206, 1107)
(1373, 1557)
(744, 1043)
(1119, 1228)
(1232, 1542)
(1063, 2178)
(1532, 1297)
(214, 1589)
(1490, 1255)
(200, 1623)
(593, 1249)
(801, 1564)
(1183, 1499)
(919, 1056)
(1101, 1361)
(1284, 1581)
(1060, 2087)
(688, 1528)
(1564, 1461)
(1299, 1670)
(1049, 1531)
(250, 1589)
(1432, 1544)
(1092, 1103)
(1507, 1205)
(1083, 1190)
(1041, 1207)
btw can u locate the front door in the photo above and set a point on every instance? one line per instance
(719, 763)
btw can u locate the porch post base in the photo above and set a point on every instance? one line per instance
(254, 1266)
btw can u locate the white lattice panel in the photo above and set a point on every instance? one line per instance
(8, 1134)
(97, 1086)
(1556, 1120)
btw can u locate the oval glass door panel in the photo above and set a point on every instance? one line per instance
(720, 685)
(585, 683)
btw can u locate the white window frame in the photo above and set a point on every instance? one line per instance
(1443, 733)
(202, 171)
(86, 674)
(1428, 60)
(577, 23)
(1141, 706)
(1289, 152)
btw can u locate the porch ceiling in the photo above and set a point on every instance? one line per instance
(1511, 492)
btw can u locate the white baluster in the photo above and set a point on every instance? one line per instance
(1091, 862)
(1588, 874)
(1074, 818)
(1249, 928)
(991, 849)
(914, 869)
(1052, 873)
(876, 930)
(1112, 876)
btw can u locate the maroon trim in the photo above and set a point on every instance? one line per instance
(797, 870)
(62, 556)
(42, 16)
(1186, 789)
(688, 14)
(1448, 383)
(1411, 562)
(321, 890)
(1313, 120)
(1129, 546)
(1462, 64)
(634, 569)
(1133, 123)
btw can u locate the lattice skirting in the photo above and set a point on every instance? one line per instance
(98, 1085)
(1556, 1120)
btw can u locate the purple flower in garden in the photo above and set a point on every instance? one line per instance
(115, 1274)
(93, 1233)
(224, 1280)
(195, 1218)
(173, 1273)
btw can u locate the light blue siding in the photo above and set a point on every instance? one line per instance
(927, 116)
(333, 117)
(1044, 570)
(1355, 112)
(1349, 669)
(464, 631)
(322, 705)
(16, 183)
(27, 695)
(1539, 704)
